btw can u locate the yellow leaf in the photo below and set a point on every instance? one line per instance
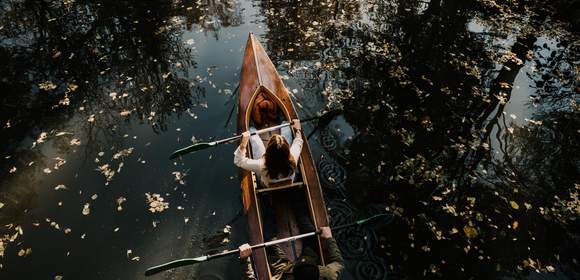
(470, 232)
(515, 225)
(514, 205)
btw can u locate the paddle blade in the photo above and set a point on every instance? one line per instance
(173, 264)
(376, 220)
(326, 118)
(190, 149)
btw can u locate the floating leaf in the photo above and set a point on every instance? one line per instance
(123, 153)
(24, 253)
(48, 85)
(156, 203)
(63, 133)
(86, 209)
(120, 201)
(470, 232)
(514, 205)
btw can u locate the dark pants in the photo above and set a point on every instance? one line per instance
(296, 200)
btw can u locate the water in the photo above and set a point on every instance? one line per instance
(461, 118)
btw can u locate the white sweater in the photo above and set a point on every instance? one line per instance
(259, 166)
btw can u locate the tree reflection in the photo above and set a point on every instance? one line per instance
(425, 97)
(91, 67)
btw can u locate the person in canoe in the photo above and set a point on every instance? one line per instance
(265, 112)
(306, 266)
(275, 163)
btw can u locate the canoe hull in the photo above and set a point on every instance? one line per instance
(258, 74)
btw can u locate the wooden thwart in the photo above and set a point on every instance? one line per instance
(293, 185)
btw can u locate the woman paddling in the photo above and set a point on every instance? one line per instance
(276, 162)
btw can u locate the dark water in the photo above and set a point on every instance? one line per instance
(461, 118)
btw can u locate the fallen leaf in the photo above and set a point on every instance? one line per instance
(156, 203)
(514, 205)
(86, 209)
(120, 201)
(48, 85)
(470, 232)
(24, 253)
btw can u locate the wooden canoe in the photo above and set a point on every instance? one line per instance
(259, 76)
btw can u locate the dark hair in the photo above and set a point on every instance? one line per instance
(306, 271)
(278, 160)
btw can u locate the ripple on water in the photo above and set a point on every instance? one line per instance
(370, 269)
(354, 243)
(327, 140)
(332, 174)
(340, 212)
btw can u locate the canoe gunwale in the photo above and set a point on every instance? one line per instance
(257, 67)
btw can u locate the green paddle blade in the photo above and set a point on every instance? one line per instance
(376, 220)
(190, 149)
(173, 264)
(325, 119)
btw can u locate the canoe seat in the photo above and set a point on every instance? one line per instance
(281, 186)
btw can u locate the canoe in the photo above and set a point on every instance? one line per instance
(259, 76)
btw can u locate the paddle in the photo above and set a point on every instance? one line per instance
(188, 261)
(204, 145)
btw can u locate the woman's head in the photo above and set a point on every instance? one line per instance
(278, 161)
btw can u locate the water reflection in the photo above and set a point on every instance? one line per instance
(461, 118)
(78, 79)
(434, 91)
